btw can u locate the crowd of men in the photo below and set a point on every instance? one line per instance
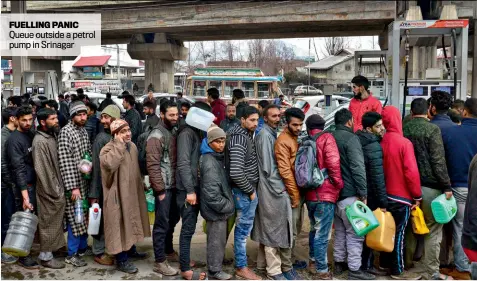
(241, 172)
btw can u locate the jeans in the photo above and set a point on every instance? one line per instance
(243, 225)
(8, 209)
(460, 259)
(348, 245)
(189, 215)
(166, 219)
(123, 256)
(395, 260)
(321, 219)
(432, 241)
(76, 243)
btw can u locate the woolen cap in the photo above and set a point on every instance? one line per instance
(117, 125)
(76, 107)
(214, 133)
(112, 110)
(315, 121)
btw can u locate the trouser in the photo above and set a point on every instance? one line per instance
(297, 221)
(216, 243)
(274, 260)
(8, 209)
(460, 259)
(321, 219)
(99, 245)
(189, 215)
(243, 225)
(432, 241)
(446, 245)
(166, 218)
(347, 243)
(76, 243)
(395, 260)
(123, 256)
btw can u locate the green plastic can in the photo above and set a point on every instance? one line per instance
(361, 218)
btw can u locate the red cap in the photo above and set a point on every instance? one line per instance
(96, 210)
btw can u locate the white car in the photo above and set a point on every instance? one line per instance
(160, 96)
(315, 104)
(307, 90)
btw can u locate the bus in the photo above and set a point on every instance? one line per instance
(252, 81)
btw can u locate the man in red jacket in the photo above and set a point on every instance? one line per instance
(321, 201)
(403, 186)
(218, 106)
(362, 101)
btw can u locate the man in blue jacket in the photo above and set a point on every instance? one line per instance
(460, 144)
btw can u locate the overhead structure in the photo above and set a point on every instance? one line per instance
(413, 68)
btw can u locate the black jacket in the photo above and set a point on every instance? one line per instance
(104, 103)
(134, 120)
(469, 237)
(353, 170)
(373, 160)
(217, 202)
(19, 157)
(151, 122)
(228, 124)
(241, 108)
(189, 140)
(65, 110)
(6, 177)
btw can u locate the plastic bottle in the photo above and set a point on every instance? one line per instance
(94, 219)
(79, 215)
(86, 165)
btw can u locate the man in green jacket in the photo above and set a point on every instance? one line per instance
(430, 156)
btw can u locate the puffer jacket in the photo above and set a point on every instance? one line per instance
(328, 157)
(219, 110)
(20, 159)
(286, 148)
(353, 170)
(161, 167)
(133, 118)
(6, 177)
(403, 183)
(188, 154)
(217, 202)
(429, 151)
(373, 160)
(359, 107)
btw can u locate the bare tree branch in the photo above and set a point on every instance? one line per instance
(335, 44)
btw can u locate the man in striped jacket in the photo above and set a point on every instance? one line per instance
(242, 166)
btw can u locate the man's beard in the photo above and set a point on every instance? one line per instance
(53, 130)
(80, 123)
(358, 96)
(168, 123)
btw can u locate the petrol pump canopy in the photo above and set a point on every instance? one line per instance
(431, 27)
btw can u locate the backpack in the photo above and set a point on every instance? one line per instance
(227, 156)
(308, 175)
(141, 146)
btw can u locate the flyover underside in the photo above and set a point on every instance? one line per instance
(257, 31)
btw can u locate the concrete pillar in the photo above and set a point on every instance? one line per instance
(414, 62)
(19, 64)
(159, 53)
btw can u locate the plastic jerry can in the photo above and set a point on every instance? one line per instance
(418, 223)
(443, 210)
(199, 118)
(94, 219)
(20, 234)
(382, 238)
(361, 218)
(151, 205)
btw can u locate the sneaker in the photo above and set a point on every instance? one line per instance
(406, 275)
(378, 271)
(53, 264)
(75, 260)
(86, 252)
(277, 277)
(104, 259)
(165, 269)
(127, 267)
(8, 259)
(360, 275)
(339, 268)
(137, 255)
(292, 275)
(221, 275)
(28, 262)
(322, 276)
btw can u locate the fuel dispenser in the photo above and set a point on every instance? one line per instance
(377, 78)
(329, 104)
(415, 73)
(43, 83)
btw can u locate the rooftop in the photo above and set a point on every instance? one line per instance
(92, 61)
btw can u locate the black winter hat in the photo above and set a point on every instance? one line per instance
(315, 121)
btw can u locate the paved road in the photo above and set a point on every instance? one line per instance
(94, 271)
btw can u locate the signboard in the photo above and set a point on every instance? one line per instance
(93, 75)
(97, 85)
(432, 24)
(228, 72)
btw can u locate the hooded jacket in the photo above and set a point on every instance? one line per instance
(353, 170)
(328, 157)
(217, 201)
(219, 110)
(6, 177)
(373, 160)
(359, 107)
(403, 183)
(188, 153)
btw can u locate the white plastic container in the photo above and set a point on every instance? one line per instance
(199, 118)
(94, 219)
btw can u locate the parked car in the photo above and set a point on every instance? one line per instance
(349, 95)
(178, 89)
(160, 96)
(315, 104)
(97, 98)
(307, 90)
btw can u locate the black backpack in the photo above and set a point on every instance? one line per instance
(142, 142)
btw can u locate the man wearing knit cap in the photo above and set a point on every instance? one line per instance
(125, 212)
(217, 201)
(73, 143)
(321, 201)
(108, 115)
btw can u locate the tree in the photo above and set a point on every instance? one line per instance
(335, 44)
(229, 50)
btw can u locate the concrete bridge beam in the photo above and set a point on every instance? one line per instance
(159, 53)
